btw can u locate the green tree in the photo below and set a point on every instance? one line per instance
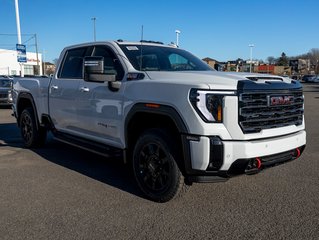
(283, 60)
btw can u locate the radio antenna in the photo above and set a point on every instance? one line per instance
(141, 52)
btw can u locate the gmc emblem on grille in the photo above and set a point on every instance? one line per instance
(280, 100)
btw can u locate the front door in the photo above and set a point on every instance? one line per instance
(99, 108)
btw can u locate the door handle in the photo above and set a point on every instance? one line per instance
(84, 89)
(54, 87)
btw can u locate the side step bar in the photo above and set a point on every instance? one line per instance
(95, 147)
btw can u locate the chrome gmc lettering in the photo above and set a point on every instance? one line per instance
(280, 100)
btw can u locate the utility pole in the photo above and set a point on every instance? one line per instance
(178, 32)
(94, 28)
(251, 54)
(19, 33)
(36, 50)
(43, 54)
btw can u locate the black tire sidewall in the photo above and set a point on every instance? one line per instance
(174, 177)
(37, 138)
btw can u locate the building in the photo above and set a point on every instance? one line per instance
(48, 68)
(273, 69)
(232, 66)
(265, 68)
(10, 66)
(241, 65)
(213, 63)
(300, 66)
(238, 65)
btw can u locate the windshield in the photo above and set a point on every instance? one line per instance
(157, 58)
(5, 83)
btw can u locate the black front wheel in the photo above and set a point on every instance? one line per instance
(155, 167)
(31, 135)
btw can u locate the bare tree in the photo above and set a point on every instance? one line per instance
(271, 60)
(55, 61)
(313, 55)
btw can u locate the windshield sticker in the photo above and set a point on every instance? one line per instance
(132, 48)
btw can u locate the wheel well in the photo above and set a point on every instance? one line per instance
(23, 104)
(142, 121)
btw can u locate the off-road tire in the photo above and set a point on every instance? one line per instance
(155, 166)
(32, 135)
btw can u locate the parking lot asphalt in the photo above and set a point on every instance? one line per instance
(61, 192)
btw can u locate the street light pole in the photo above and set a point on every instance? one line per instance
(19, 33)
(251, 54)
(177, 37)
(43, 61)
(94, 29)
(18, 21)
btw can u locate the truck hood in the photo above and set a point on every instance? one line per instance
(213, 79)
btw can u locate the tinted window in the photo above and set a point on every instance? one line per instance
(157, 58)
(111, 63)
(72, 65)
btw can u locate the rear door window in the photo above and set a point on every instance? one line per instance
(72, 64)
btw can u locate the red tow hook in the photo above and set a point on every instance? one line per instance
(254, 166)
(258, 161)
(298, 153)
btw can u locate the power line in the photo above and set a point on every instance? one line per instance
(13, 46)
(28, 39)
(14, 34)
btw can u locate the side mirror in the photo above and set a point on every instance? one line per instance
(93, 70)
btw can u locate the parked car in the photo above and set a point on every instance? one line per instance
(296, 77)
(5, 90)
(314, 79)
(308, 77)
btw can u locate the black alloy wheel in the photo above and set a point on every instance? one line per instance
(155, 168)
(26, 128)
(32, 135)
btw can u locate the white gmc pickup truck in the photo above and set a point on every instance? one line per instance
(161, 109)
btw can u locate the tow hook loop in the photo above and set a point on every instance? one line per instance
(254, 165)
(258, 163)
(298, 153)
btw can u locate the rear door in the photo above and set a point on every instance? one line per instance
(64, 90)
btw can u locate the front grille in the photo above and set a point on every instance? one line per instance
(3, 95)
(265, 110)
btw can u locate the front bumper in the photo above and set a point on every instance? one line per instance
(237, 157)
(5, 98)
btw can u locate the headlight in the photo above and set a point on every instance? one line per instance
(209, 104)
(10, 99)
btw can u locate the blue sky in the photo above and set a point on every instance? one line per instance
(218, 29)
